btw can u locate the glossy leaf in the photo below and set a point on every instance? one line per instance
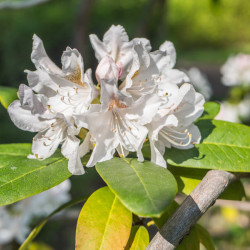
(188, 178)
(211, 109)
(225, 146)
(139, 238)
(104, 223)
(21, 177)
(144, 188)
(7, 95)
(38, 228)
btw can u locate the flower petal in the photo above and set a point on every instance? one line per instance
(40, 58)
(73, 66)
(70, 149)
(47, 141)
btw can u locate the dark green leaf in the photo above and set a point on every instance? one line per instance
(21, 177)
(144, 188)
(7, 95)
(224, 146)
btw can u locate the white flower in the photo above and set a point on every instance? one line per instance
(117, 124)
(68, 90)
(200, 82)
(228, 112)
(236, 70)
(116, 44)
(61, 93)
(244, 108)
(31, 114)
(173, 124)
(149, 68)
(15, 218)
(239, 112)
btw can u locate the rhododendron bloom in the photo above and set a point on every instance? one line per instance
(30, 113)
(121, 120)
(116, 44)
(148, 69)
(173, 124)
(141, 95)
(68, 89)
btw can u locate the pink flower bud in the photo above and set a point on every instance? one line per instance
(107, 70)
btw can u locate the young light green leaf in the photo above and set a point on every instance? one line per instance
(188, 178)
(21, 177)
(104, 223)
(39, 227)
(7, 95)
(139, 238)
(204, 237)
(144, 188)
(224, 146)
(211, 109)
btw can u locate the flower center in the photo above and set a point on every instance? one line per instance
(75, 77)
(116, 103)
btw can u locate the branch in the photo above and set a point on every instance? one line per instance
(20, 4)
(192, 208)
(239, 205)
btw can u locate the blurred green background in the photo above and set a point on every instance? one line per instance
(205, 34)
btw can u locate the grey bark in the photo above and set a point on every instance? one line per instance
(192, 208)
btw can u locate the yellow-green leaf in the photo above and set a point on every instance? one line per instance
(7, 95)
(141, 239)
(104, 223)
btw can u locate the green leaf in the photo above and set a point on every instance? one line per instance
(144, 188)
(104, 223)
(139, 238)
(211, 109)
(190, 241)
(197, 235)
(7, 95)
(188, 178)
(204, 237)
(21, 177)
(38, 228)
(225, 146)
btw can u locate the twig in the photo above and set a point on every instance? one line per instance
(20, 4)
(192, 208)
(240, 205)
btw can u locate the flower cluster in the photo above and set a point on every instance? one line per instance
(236, 70)
(15, 219)
(141, 94)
